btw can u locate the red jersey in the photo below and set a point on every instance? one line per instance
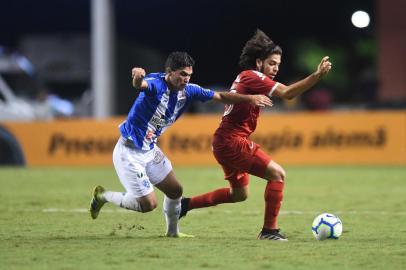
(241, 119)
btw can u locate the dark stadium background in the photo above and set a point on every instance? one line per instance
(213, 32)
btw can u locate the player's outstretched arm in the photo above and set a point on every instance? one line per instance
(298, 88)
(232, 98)
(138, 75)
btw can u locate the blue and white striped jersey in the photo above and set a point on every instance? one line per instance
(157, 108)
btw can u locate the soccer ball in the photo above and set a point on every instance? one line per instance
(327, 226)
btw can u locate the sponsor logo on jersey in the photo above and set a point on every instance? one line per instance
(158, 156)
(158, 121)
(150, 134)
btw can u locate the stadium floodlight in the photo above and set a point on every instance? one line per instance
(360, 19)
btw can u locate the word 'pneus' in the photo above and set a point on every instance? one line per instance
(60, 142)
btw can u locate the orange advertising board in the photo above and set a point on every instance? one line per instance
(333, 138)
(68, 142)
(303, 138)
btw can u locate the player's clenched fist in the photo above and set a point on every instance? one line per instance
(324, 66)
(137, 72)
(138, 75)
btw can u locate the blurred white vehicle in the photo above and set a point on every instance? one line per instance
(22, 98)
(19, 91)
(13, 108)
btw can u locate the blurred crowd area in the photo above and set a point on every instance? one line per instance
(49, 77)
(46, 68)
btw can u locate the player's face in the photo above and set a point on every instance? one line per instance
(179, 78)
(270, 66)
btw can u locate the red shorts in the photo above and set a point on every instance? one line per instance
(239, 157)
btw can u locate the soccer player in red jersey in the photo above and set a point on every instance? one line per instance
(232, 147)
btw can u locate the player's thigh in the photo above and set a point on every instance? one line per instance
(259, 163)
(275, 172)
(160, 173)
(131, 171)
(239, 183)
(237, 179)
(236, 155)
(158, 166)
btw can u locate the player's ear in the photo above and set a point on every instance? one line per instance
(168, 70)
(258, 63)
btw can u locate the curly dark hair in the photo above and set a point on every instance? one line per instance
(259, 46)
(179, 60)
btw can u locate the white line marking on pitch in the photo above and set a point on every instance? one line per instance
(206, 211)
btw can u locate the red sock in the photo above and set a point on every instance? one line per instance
(215, 197)
(273, 200)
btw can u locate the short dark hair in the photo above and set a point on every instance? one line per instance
(179, 60)
(259, 46)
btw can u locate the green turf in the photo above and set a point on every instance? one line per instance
(44, 225)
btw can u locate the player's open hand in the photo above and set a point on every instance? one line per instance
(324, 66)
(261, 101)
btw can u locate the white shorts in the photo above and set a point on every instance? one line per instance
(138, 169)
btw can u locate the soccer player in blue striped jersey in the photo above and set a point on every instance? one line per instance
(139, 162)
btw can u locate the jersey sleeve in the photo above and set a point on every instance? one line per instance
(257, 83)
(152, 85)
(155, 81)
(197, 92)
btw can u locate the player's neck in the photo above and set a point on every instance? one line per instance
(171, 87)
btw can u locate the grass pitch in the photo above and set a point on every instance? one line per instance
(44, 223)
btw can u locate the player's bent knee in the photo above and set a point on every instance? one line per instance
(239, 195)
(131, 202)
(179, 192)
(148, 206)
(282, 174)
(275, 172)
(148, 203)
(174, 193)
(171, 187)
(240, 198)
